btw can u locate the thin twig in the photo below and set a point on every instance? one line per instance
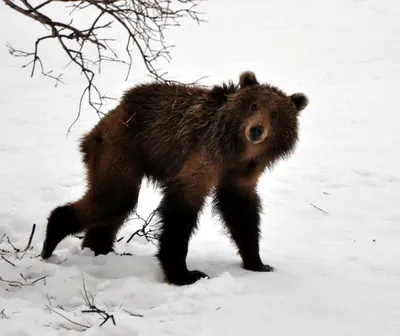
(42, 278)
(66, 318)
(20, 284)
(6, 260)
(28, 245)
(9, 242)
(30, 237)
(12, 282)
(320, 209)
(3, 314)
(132, 314)
(144, 231)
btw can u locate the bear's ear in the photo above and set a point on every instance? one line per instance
(247, 78)
(299, 100)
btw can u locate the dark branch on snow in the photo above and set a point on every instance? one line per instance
(3, 315)
(8, 261)
(325, 212)
(66, 318)
(20, 284)
(92, 308)
(15, 251)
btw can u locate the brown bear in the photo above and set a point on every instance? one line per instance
(191, 141)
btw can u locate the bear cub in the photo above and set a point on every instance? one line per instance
(192, 142)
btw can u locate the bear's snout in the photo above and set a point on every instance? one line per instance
(257, 127)
(256, 132)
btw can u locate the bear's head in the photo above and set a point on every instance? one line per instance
(269, 127)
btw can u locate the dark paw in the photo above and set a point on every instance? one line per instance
(99, 240)
(99, 250)
(47, 250)
(259, 268)
(188, 278)
(103, 252)
(123, 254)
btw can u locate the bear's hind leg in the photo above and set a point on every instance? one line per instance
(61, 223)
(179, 219)
(239, 206)
(100, 212)
(110, 205)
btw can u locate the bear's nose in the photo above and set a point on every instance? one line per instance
(256, 132)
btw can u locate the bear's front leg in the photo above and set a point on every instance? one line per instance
(179, 219)
(239, 206)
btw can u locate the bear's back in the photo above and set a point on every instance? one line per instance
(162, 124)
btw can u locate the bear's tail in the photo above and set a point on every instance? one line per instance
(62, 222)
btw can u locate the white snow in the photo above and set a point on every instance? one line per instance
(337, 273)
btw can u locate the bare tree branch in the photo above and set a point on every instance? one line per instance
(16, 250)
(143, 24)
(92, 308)
(20, 284)
(145, 231)
(8, 261)
(66, 318)
(3, 315)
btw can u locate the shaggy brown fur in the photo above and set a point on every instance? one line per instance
(191, 141)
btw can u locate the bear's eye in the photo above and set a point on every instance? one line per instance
(254, 107)
(274, 114)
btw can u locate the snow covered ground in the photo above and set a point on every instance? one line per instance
(338, 270)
